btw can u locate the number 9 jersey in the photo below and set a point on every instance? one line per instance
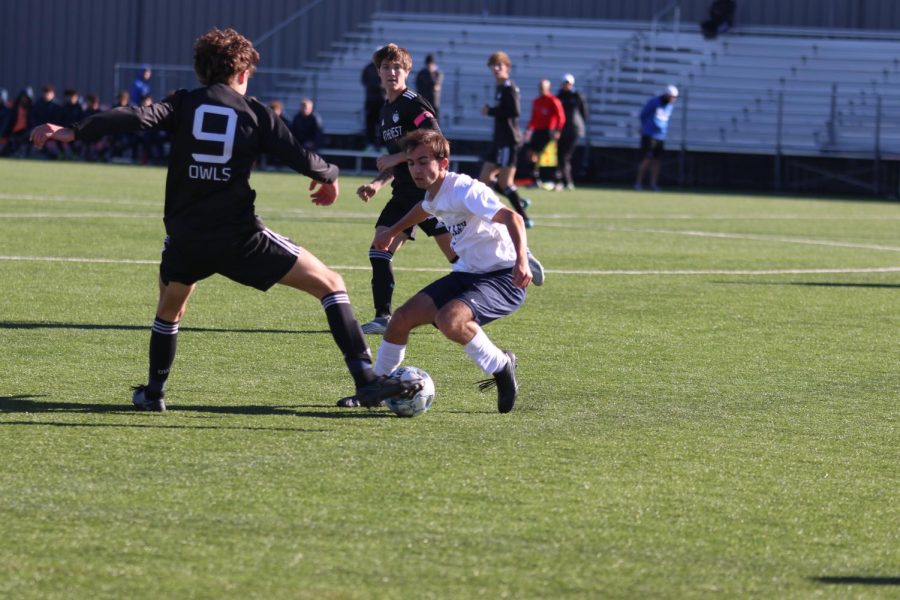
(216, 136)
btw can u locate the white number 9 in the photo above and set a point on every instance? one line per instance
(227, 138)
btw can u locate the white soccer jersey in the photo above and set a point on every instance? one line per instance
(466, 207)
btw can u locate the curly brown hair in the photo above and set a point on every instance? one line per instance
(393, 53)
(221, 54)
(431, 139)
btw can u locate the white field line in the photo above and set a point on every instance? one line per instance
(325, 211)
(850, 270)
(734, 236)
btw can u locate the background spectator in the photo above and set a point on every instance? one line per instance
(46, 110)
(307, 126)
(428, 83)
(545, 125)
(71, 112)
(97, 150)
(151, 142)
(19, 124)
(654, 126)
(575, 109)
(5, 115)
(123, 146)
(140, 87)
(721, 18)
(374, 101)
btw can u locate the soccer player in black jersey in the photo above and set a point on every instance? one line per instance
(500, 162)
(217, 134)
(404, 111)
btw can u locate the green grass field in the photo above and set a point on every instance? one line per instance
(708, 408)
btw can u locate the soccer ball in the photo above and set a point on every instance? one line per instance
(412, 407)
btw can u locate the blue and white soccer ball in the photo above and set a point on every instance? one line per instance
(421, 402)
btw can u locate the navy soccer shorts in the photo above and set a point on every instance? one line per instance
(502, 156)
(258, 259)
(651, 148)
(489, 295)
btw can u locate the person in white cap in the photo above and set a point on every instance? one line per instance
(654, 125)
(576, 115)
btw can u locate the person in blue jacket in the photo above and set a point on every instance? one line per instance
(654, 125)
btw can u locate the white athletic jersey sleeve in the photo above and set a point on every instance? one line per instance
(466, 206)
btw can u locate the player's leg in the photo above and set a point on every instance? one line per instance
(173, 298)
(456, 320)
(415, 312)
(309, 274)
(382, 282)
(656, 165)
(565, 147)
(506, 182)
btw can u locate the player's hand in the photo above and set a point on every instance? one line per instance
(485, 109)
(383, 240)
(325, 195)
(521, 274)
(365, 192)
(42, 134)
(527, 136)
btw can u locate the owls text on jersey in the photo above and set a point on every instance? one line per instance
(217, 135)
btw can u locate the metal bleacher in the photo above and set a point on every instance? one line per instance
(755, 91)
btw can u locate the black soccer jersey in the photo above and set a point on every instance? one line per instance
(217, 134)
(506, 115)
(408, 112)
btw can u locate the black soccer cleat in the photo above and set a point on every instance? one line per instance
(143, 399)
(507, 386)
(373, 394)
(349, 402)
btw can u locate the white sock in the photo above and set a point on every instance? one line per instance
(389, 357)
(485, 354)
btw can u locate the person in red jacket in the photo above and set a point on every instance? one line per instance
(547, 120)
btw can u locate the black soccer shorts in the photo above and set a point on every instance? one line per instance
(258, 259)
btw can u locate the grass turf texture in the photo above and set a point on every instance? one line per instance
(723, 434)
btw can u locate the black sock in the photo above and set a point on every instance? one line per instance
(349, 337)
(514, 199)
(382, 281)
(163, 341)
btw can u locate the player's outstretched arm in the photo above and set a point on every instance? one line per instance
(42, 134)
(516, 226)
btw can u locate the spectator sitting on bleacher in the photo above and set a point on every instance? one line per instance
(70, 112)
(46, 110)
(5, 115)
(123, 146)
(721, 18)
(18, 125)
(96, 150)
(307, 126)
